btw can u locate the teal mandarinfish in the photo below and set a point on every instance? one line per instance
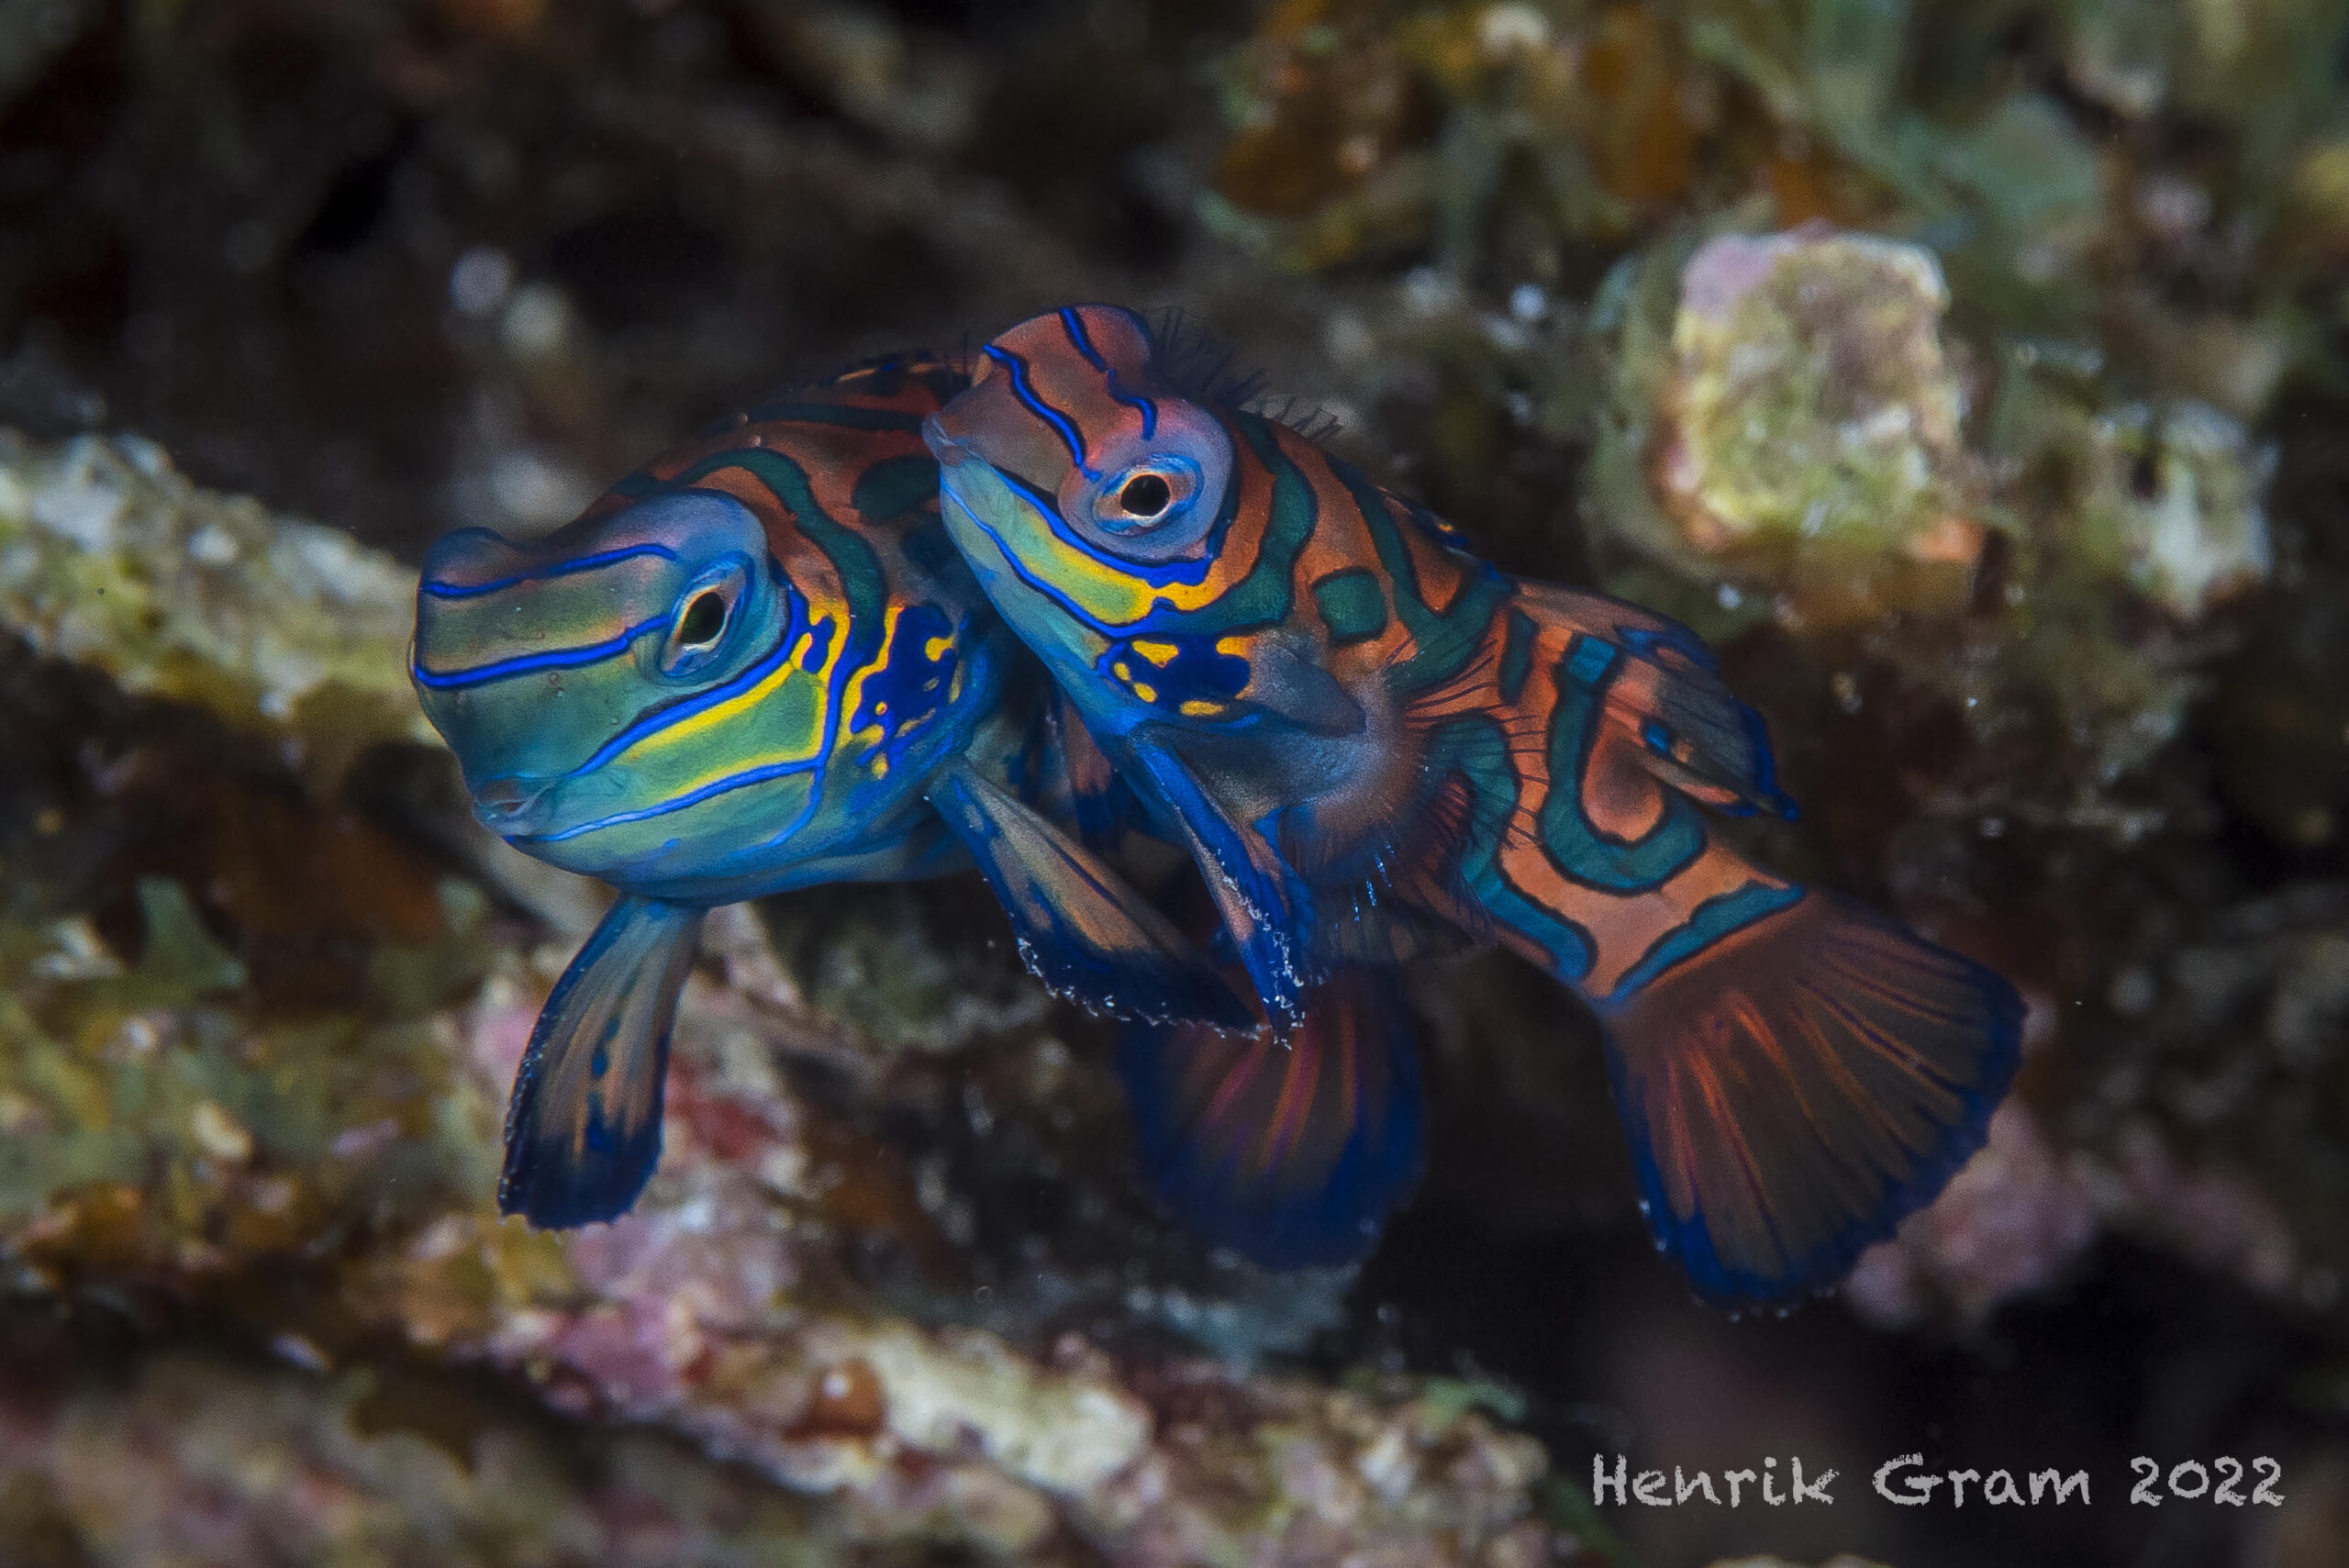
(1361, 731)
(755, 664)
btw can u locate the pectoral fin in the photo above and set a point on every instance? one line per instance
(582, 1130)
(1265, 908)
(1103, 801)
(1083, 932)
(1297, 689)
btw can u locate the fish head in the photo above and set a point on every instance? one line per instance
(622, 696)
(1093, 497)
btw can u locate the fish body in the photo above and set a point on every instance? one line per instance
(756, 664)
(1361, 731)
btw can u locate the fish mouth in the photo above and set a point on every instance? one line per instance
(513, 805)
(527, 809)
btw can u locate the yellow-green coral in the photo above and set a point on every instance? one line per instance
(1785, 417)
(155, 1130)
(109, 556)
(1810, 418)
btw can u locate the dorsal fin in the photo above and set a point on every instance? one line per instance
(1689, 730)
(1192, 358)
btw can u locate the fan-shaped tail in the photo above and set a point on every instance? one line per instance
(1800, 1085)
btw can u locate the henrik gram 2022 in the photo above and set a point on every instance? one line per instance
(1906, 1481)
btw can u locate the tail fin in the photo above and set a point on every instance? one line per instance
(1795, 1087)
(1289, 1152)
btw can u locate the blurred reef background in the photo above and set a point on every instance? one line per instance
(1975, 374)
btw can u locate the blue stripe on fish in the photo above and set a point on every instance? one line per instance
(553, 659)
(1012, 557)
(725, 786)
(660, 718)
(1074, 325)
(571, 568)
(1707, 923)
(1024, 390)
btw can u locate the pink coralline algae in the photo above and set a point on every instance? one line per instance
(2017, 1218)
(2008, 1223)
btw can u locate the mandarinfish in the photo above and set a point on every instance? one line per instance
(757, 663)
(1361, 731)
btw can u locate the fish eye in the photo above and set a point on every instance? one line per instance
(704, 620)
(1153, 501)
(1146, 496)
(698, 629)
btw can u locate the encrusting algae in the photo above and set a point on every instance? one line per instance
(1803, 432)
(1792, 424)
(110, 557)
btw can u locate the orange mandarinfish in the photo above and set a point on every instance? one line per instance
(1367, 736)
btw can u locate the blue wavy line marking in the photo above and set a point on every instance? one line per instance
(553, 659)
(1024, 390)
(440, 590)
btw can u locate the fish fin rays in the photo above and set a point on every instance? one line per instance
(1290, 1152)
(583, 1129)
(1266, 909)
(1081, 931)
(1697, 738)
(1796, 1089)
(1397, 901)
(1387, 932)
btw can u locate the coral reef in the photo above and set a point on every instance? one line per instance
(201, 1459)
(1802, 432)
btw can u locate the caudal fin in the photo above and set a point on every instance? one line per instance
(1290, 1152)
(1795, 1088)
